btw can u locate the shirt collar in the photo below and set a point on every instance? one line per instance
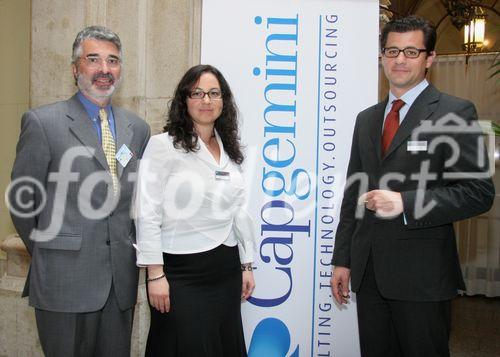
(92, 109)
(204, 154)
(410, 96)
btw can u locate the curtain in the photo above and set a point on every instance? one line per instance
(478, 238)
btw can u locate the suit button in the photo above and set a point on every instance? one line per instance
(111, 214)
(108, 242)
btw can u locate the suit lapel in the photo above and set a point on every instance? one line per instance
(81, 126)
(123, 134)
(421, 109)
(376, 127)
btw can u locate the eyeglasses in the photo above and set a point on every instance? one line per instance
(213, 94)
(96, 61)
(409, 52)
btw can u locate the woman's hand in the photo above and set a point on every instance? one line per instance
(158, 290)
(248, 284)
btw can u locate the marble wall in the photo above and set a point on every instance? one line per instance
(14, 93)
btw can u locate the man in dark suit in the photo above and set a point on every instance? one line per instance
(415, 175)
(70, 197)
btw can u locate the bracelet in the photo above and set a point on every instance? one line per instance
(246, 267)
(157, 278)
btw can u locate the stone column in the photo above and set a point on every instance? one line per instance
(18, 336)
(14, 95)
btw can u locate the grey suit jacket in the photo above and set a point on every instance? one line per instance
(77, 255)
(416, 260)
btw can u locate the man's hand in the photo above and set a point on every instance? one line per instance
(339, 283)
(386, 204)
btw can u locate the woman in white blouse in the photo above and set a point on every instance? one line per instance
(193, 232)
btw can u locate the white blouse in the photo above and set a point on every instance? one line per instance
(188, 203)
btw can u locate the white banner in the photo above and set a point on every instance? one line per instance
(300, 72)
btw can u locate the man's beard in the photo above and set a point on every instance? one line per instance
(86, 86)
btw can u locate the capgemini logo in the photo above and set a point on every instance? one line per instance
(271, 338)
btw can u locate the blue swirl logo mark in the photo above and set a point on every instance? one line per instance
(271, 338)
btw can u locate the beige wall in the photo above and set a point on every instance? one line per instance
(160, 41)
(14, 90)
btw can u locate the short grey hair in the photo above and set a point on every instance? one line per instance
(94, 33)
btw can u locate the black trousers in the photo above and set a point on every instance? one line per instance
(392, 328)
(205, 307)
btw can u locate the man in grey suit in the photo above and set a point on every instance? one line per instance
(422, 167)
(70, 196)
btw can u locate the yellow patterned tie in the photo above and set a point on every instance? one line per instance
(109, 147)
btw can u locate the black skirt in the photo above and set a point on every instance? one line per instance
(205, 307)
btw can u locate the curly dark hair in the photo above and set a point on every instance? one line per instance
(180, 126)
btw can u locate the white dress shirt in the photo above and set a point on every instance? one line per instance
(188, 203)
(409, 97)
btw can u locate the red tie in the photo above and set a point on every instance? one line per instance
(391, 125)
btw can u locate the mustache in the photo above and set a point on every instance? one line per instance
(107, 76)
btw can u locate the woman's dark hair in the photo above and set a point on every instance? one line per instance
(180, 126)
(407, 24)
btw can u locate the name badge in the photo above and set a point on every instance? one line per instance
(416, 146)
(124, 155)
(222, 175)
